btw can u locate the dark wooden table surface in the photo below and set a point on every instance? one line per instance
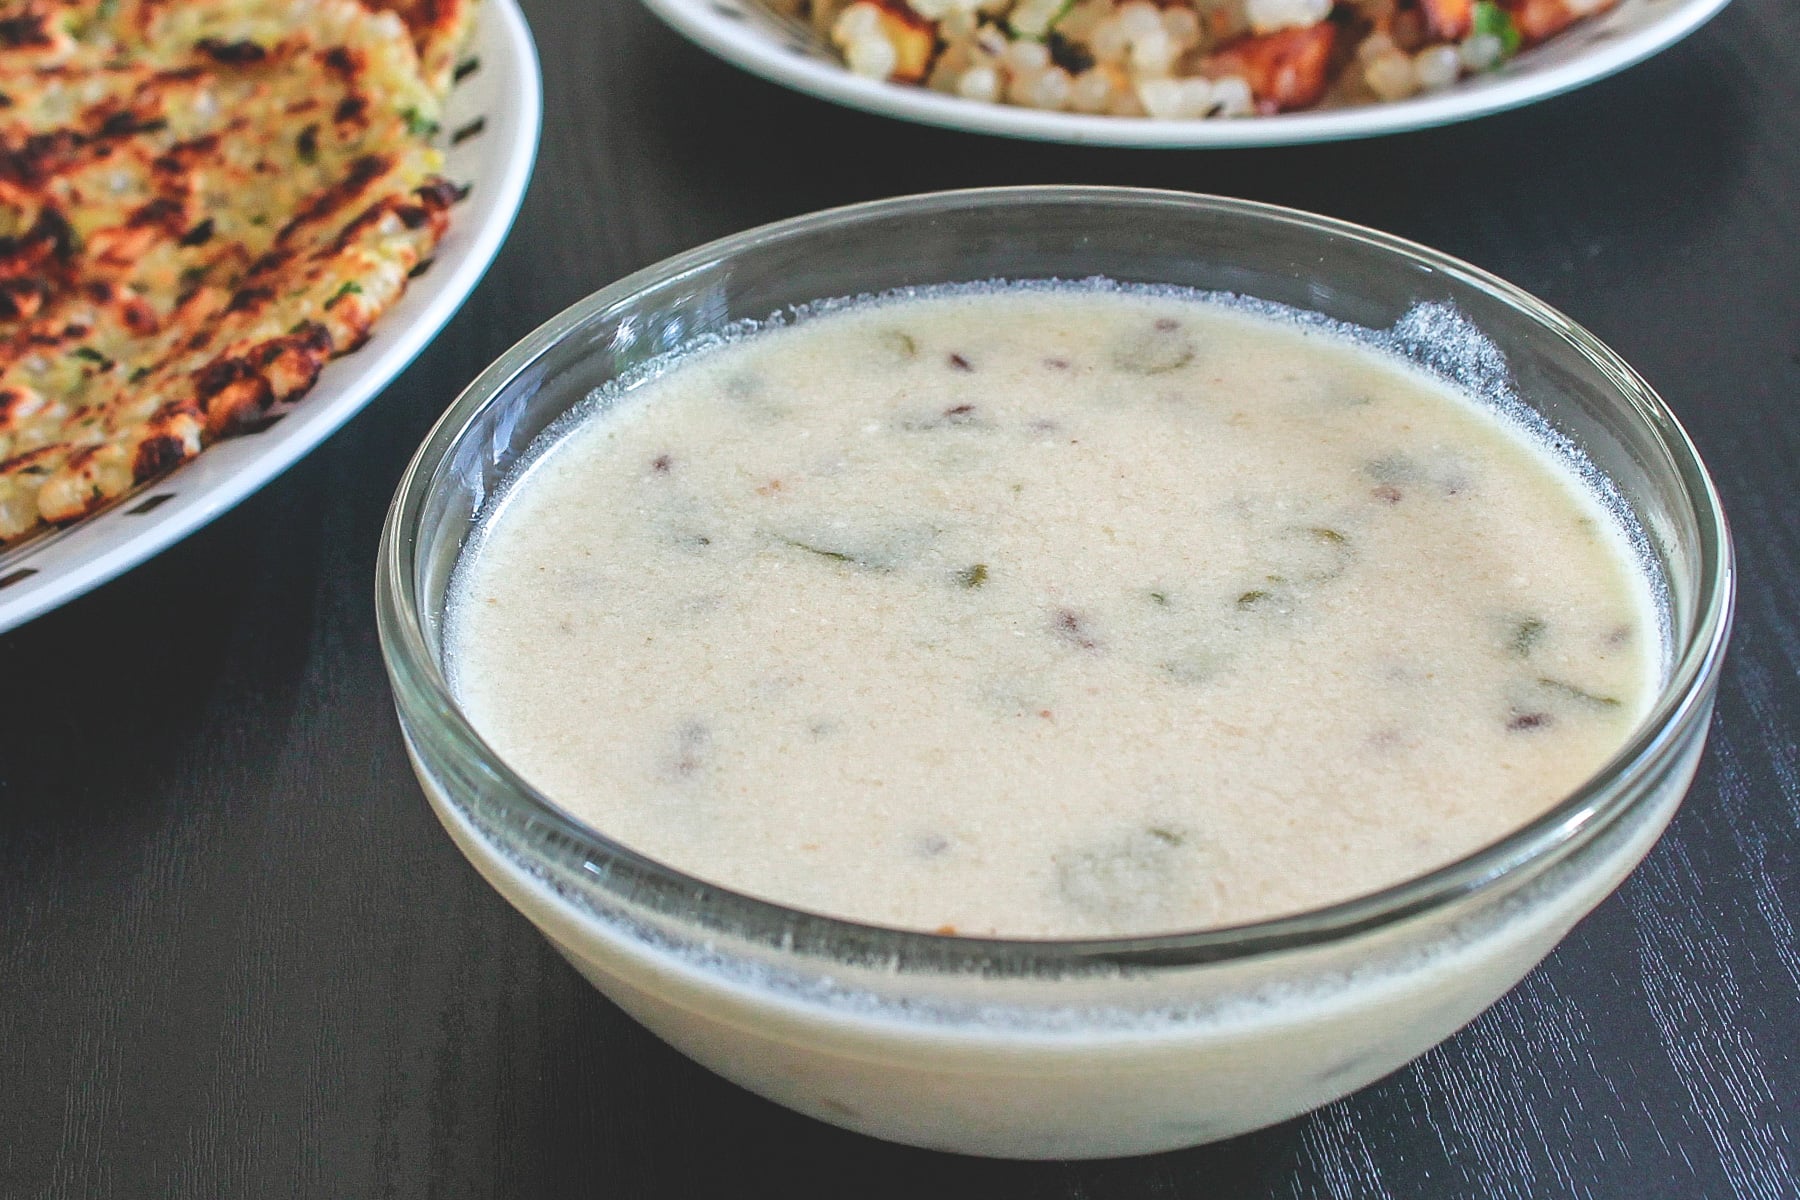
(238, 957)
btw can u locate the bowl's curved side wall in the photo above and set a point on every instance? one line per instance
(1243, 1057)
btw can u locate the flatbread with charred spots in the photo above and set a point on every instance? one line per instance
(200, 205)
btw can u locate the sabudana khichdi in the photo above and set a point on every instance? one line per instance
(1182, 58)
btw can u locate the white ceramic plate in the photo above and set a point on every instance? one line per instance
(490, 140)
(743, 32)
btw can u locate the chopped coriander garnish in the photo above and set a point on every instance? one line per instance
(417, 123)
(1034, 19)
(350, 288)
(901, 344)
(1526, 635)
(835, 555)
(972, 577)
(1493, 21)
(92, 355)
(1570, 691)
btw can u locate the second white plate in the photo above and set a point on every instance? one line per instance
(745, 33)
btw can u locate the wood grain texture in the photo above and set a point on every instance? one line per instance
(239, 958)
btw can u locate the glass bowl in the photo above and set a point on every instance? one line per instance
(1053, 1048)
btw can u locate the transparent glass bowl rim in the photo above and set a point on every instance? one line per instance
(423, 694)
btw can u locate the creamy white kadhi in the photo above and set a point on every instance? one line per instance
(1051, 612)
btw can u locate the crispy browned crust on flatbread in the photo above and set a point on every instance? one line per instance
(200, 204)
